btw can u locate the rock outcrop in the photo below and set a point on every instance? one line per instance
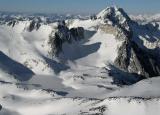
(12, 23)
(0, 107)
(34, 25)
(64, 34)
(131, 58)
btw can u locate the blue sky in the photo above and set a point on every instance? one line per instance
(78, 6)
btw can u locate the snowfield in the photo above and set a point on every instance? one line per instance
(79, 81)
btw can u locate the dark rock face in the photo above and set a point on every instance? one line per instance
(56, 44)
(34, 25)
(124, 54)
(147, 61)
(152, 26)
(12, 23)
(77, 33)
(64, 34)
(93, 17)
(0, 107)
(132, 58)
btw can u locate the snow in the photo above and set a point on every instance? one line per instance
(145, 18)
(96, 45)
(81, 85)
(86, 24)
(126, 106)
(25, 47)
(144, 88)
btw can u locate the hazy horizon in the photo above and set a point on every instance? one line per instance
(78, 6)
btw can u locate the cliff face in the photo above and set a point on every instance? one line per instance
(135, 60)
(64, 34)
(132, 57)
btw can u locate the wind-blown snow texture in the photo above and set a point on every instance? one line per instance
(79, 66)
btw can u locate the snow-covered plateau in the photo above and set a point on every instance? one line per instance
(105, 65)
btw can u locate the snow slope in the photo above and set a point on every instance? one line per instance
(78, 81)
(146, 88)
(25, 47)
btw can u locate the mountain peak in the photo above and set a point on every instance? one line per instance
(114, 15)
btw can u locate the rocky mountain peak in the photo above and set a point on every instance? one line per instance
(114, 16)
(132, 58)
